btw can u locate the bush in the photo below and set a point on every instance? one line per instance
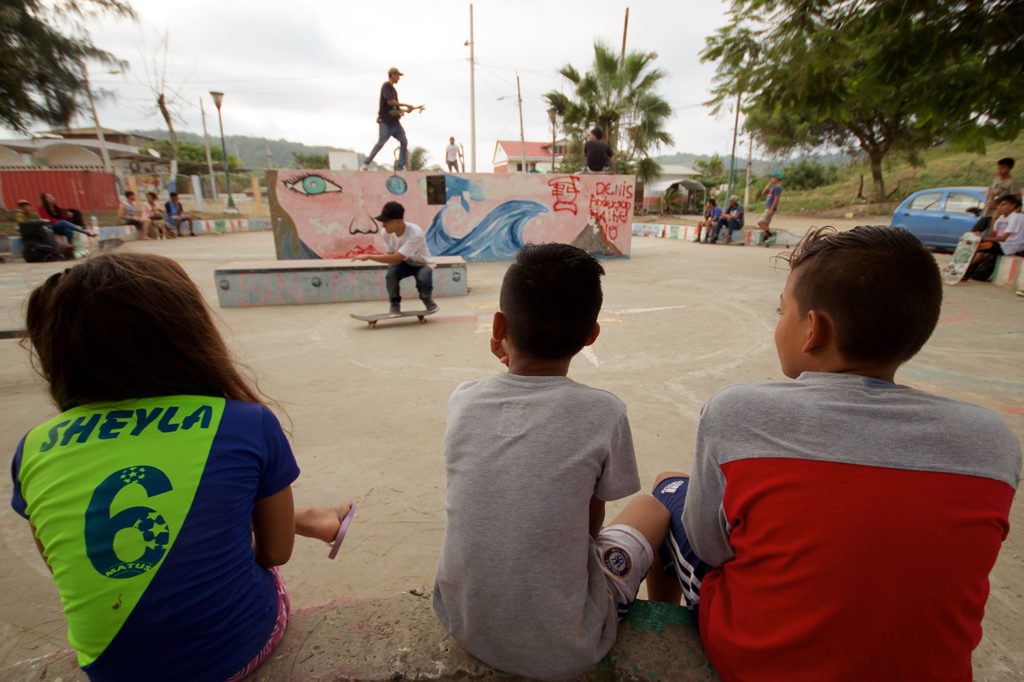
(806, 174)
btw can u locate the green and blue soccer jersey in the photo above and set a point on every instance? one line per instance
(144, 510)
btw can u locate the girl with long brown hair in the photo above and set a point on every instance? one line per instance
(160, 497)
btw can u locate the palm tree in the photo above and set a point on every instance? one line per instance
(618, 96)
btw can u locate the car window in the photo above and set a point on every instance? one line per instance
(929, 201)
(960, 202)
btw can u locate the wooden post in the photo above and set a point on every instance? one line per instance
(256, 199)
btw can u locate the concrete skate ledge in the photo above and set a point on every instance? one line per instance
(299, 281)
(399, 638)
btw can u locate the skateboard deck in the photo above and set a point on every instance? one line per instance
(372, 320)
(965, 249)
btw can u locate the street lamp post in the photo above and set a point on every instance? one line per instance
(218, 97)
(553, 115)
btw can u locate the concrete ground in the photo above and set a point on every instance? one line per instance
(366, 408)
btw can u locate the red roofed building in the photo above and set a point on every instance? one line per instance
(508, 155)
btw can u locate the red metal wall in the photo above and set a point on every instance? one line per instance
(81, 189)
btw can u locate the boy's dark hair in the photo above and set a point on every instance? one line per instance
(128, 325)
(129, 193)
(597, 132)
(1012, 198)
(711, 200)
(880, 286)
(1005, 162)
(550, 297)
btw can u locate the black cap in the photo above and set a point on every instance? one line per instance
(391, 211)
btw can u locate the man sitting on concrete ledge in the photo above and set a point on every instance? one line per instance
(408, 256)
(841, 526)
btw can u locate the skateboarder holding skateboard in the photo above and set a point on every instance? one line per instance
(389, 113)
(407, 256)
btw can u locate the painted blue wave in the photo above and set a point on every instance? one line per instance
(455, 186)
(498, 236)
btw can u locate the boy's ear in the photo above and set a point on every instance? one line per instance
(820, 331)
(499, 334)
(594, 334)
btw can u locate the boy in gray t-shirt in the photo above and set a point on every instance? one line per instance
(528, 580)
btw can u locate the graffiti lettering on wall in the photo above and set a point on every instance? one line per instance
(324, 214)
(611, 205)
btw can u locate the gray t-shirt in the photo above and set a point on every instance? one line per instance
(520, 583)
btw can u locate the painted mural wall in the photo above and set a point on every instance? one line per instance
(479, 216)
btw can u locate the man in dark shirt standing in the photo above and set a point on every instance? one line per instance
(597, 151)
(388, 114)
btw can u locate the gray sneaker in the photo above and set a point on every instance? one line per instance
(430, 305)
(396, 309)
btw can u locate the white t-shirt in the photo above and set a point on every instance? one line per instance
(1015, 229)
(412, 244)
(520, 583)
(451, 153)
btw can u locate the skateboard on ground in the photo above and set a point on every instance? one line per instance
(373, 319)
(965, 250)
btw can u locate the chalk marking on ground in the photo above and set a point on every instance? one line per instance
(589, 354)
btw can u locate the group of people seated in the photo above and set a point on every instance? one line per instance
(830, 528)
(709, 230)
(154, 221)
(49, 231)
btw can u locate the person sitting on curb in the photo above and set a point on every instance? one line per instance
(160, 496)
(528, 580)
(841, 515)
(407, 256)
(127, 215)
(153, 219)
(712, 212)
(732, 220)
(61, 220)
(1006, 238)
(175, 215)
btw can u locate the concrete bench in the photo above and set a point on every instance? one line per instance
(399, 638)
(750, 237)
(1009, 272)
(290, 282)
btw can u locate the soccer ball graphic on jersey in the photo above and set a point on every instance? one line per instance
(155, 532)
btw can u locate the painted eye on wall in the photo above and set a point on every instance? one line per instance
(310, 185)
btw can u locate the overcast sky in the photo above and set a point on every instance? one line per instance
(310, 70)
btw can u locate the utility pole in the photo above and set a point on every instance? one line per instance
(270, 158)
(472, 94)
(522, 135)
(209, 159)
(622, 65)
(750, 151)
(732, 157)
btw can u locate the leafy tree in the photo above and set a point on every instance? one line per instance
(807, 174)
(42, 67)
(303, 160)
(194, 152)
(885, 78)
(417, 158)
(619, 97)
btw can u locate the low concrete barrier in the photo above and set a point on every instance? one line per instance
(750, 237)
(291, 282)
(1009, 272)
(122, 233)
(399, 638)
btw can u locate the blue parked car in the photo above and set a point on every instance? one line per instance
(939, 216)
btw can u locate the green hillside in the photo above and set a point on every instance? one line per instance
(942, 166)
(251, 151)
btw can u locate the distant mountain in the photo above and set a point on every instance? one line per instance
(757, 166)
(251, 151)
